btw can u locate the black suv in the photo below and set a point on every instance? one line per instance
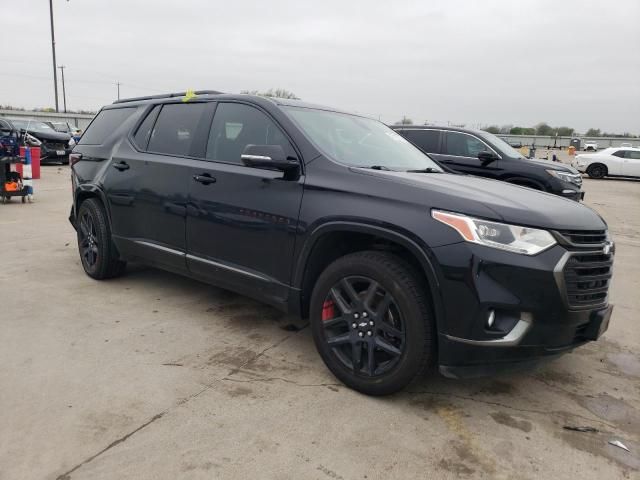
(337, 218)
(481, 153)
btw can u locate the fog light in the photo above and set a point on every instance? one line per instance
(491, 318)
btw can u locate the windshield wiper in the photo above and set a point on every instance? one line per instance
(426, 170)
(378, 167)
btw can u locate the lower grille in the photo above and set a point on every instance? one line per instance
(55, 146)
(587, 276)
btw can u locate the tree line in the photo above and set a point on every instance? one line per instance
(543, 129)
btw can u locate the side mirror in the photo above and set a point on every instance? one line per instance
(271, 157)
(487, 157)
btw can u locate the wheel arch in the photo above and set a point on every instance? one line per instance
(86, 191)
(334, 239)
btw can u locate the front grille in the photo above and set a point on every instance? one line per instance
(583, 238)
(587, 277)
(588, 268)
(55, 145)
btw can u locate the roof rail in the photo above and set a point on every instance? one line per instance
(167, 95)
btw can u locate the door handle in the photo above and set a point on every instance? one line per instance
(121, 166)
(205, 179)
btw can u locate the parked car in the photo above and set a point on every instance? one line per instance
(626, 144)
(481, 153)
(337, 218)
(590, 145)
(610, 162)
(54, 146)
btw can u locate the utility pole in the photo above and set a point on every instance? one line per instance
(53, 49)
(118, 85)
(64, 93)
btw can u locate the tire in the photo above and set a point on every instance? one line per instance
(401, 344)
(97, 253)
(597, 170)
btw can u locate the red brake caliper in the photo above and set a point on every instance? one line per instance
(328, 310)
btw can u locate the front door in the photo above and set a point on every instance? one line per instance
(631, 165)
(460, 152)
(242, 221)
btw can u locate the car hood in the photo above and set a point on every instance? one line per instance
(549, 165)
(51, 136)
(495, 200)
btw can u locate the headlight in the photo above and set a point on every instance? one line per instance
(564, 176)
(513, 238)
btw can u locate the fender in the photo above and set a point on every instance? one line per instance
(93, 191)
(524, 182)
(417, 248)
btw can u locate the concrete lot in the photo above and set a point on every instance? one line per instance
(152, 376)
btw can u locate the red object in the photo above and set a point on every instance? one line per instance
(328, 310)
(35, 162)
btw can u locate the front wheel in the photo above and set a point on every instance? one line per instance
(372, 323)
(597, 170)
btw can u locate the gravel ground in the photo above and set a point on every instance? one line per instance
(153, 376)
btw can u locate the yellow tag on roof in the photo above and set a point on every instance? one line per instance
(189, 94)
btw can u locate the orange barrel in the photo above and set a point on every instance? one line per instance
(572, 150)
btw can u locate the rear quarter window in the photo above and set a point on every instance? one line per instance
(105, 123)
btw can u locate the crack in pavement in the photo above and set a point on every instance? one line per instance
(124, 438)
(286, 380)
(509, 407)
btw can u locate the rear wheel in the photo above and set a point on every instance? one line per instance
(97, 253)
(371, 321)
(597, 170)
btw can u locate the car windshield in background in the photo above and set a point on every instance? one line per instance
(359, 141)
(503, 146)
(32, 126)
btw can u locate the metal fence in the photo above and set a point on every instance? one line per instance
(80, 120)
(541, 141)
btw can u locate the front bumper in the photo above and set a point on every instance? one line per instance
(576, 195)
(533, 318)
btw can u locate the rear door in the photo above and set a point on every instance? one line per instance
(426, 140)
(459, 151)
(631, 166)
(242, 221)
(615, 162)
(148, 181)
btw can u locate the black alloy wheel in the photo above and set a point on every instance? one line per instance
(88, 240)
(99, 256)
(597, 170)
(372, 321)
(363, 326)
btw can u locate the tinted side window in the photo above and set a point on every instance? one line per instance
(141, 138)
(105, 123)
(619, 153)
(463, 145)
(235, 126)
(633, 154)
(427, 140)
(175, 128)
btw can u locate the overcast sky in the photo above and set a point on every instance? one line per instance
(574, 63)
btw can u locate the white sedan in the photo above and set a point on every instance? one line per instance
(610, 162)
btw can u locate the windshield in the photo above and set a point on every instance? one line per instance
(358, 141)
(32, 126)
(502, 146)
